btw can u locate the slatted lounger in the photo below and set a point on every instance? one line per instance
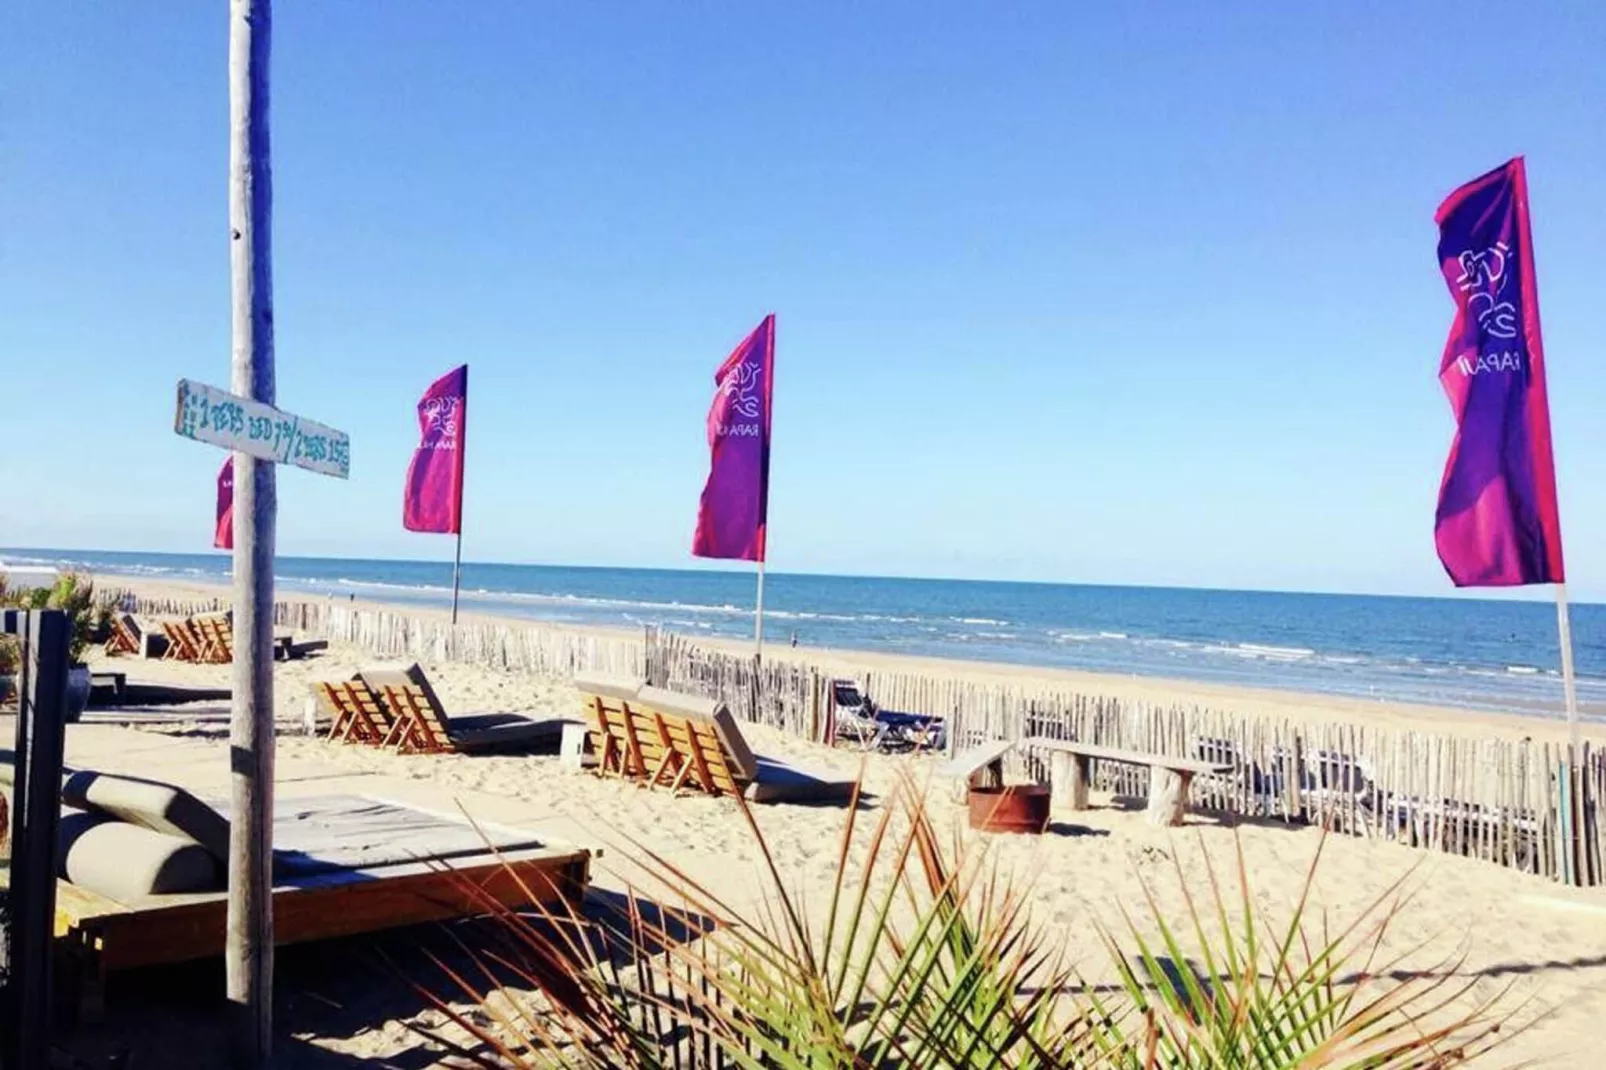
(182, 642)
(355, 715)
(125, 636)
(425, 728)
(217, 639)
(685, 742)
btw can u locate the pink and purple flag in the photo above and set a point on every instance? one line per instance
(434, 494)
(1497, 523)
(223, 529)
(732, 518)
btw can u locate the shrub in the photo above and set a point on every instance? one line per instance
(931, 958)
(74, 595)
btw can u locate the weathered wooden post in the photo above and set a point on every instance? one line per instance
(36, 809)
(261, 437)
(249, 947)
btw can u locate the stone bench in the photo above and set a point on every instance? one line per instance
(980, 767)
(1071, 774)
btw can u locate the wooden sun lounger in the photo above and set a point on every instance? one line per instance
(125, 636)
(423, 726)
(355, 715)
(344, 865)
(685, 742)
(183, 643)
(217, 639)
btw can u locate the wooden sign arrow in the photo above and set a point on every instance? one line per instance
(208, 414)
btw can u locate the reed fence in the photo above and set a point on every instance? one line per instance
(1522, 804)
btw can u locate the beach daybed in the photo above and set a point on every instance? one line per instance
(664, 738)
(422, 726)
(143, 863)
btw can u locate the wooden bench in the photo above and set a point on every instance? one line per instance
(1071, 773)
(980, 767)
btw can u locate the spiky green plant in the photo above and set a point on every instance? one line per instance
(74, 595)
(931, 958)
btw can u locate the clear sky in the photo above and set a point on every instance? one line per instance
(1127, 293)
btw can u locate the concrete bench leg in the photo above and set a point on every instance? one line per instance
(1168, 796)
(1068, 778)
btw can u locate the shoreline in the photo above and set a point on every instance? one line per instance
(1258, 701)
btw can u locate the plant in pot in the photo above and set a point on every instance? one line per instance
(74, 595)
(8, 670)
(9, 655)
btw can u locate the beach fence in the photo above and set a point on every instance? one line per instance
(1516, 803)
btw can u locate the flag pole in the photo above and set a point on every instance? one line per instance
(457, 571)
(1568, 688)
(462, 467)
(758, 615)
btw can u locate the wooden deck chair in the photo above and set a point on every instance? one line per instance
(125, 636)
(216, 639)
(182, 643)
(424, 727)
(611, 723)
(712, 755)
(355, 715)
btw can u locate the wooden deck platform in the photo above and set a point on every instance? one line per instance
(401, 876)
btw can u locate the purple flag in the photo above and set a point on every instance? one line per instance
(1497, 523)
(223, 528)
(732, 519)
(434, 493)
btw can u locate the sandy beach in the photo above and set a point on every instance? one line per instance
(1495, 928)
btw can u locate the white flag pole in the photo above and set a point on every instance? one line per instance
(758, 615)
(1568, 687)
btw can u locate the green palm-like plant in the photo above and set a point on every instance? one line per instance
(1272, 997)
(74, 595)
(931, 958)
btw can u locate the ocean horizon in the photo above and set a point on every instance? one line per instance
(1479, 654)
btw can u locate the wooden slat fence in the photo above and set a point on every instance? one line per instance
(1507, 801)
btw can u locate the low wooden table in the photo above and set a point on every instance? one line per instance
(1071, 773)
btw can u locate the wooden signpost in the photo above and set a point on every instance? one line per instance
(261, 437)
(208, 414)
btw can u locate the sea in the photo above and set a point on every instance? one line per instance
(1473, 653)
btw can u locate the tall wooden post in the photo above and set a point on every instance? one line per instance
(249, 954)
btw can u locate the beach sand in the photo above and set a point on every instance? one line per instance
(1493, 927)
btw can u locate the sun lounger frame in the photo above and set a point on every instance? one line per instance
(356, 716)
(123, 639)
(183, 644)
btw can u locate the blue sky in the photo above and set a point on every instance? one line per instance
(1109, 293)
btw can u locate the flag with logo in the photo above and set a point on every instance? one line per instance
(223, 527)
(1497, 523)
(732, 517)
(433, 497)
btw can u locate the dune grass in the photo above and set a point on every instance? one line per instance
(927, 955)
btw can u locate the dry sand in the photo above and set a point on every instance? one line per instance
(1496, 927)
